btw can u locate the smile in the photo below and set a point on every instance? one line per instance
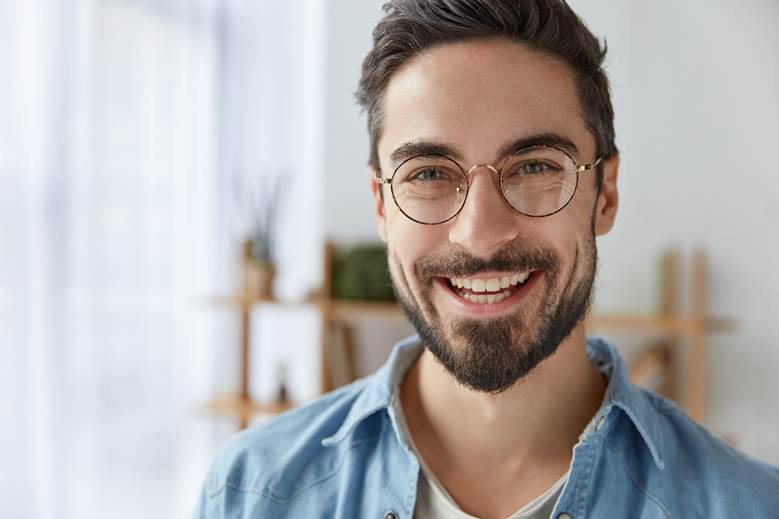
(488, 290)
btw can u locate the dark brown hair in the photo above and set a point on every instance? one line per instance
(410, 27)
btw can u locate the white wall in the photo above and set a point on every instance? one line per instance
(348, 209)
(694, 87)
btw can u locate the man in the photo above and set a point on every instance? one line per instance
(495, 167)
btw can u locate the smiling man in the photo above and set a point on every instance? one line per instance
(494, 169)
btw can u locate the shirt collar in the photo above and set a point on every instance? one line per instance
(624, 395)
(380, 387)
(620, 393)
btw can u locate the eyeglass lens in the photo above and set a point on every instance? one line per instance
(537, 181)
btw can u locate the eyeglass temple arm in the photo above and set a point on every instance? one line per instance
(585, 167)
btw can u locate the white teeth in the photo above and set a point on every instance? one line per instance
(486, 299)
(491, 285)
(479, 285)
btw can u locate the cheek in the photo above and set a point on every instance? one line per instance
(565, 233)
(578, 214)
(410, 239)
(408, 242)
(578, 237)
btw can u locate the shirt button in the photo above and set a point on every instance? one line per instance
(390, 515)
(564, 516)
(600, 423)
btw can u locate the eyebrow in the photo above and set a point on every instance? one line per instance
(420, 147)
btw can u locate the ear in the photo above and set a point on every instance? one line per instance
(608, 199)
(378, 199)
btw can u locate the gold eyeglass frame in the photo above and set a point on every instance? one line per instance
(579, 169)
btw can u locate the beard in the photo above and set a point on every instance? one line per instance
(495, 354)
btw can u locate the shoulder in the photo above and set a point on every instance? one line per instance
(284, 456)
(656, 451)
(315, 457)
(698, 463)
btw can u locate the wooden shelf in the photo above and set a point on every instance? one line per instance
(235, 406)
(346, 310)
(352, 310)
(238, 301)
(671, 324)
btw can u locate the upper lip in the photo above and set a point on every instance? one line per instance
(489, 284)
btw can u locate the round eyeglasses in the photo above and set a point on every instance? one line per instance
(536, 181)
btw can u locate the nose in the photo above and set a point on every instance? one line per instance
(486, 221)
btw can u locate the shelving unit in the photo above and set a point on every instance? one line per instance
(241, 406)
(660, 365)
(657, 366)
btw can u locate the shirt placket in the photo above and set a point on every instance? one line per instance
(574, 498)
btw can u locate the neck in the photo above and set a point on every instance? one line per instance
(535, 423)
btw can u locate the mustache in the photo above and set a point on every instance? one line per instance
(510, 259)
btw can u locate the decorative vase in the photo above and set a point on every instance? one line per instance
(256, 277)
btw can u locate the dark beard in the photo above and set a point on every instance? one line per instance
(494, 357)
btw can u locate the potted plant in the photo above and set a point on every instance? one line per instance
(258, 253)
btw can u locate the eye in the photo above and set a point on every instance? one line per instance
(531, 167)
(535, 167)
(430, 174)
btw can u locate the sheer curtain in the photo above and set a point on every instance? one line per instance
(124, 127)
(110, 241)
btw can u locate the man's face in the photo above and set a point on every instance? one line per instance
(477, 98)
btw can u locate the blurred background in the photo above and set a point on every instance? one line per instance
(157, 155)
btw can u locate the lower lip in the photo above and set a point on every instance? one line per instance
(487, 309)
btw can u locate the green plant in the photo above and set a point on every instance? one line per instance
(361, 272)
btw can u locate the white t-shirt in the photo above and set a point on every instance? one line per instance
(434, 502)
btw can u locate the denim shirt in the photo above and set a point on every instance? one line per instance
(343, 456)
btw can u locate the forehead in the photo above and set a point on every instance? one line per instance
(479, 95)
